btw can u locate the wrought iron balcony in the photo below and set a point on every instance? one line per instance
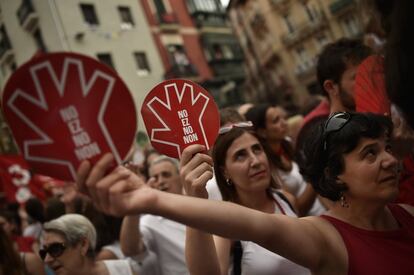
(304, 30)
(27, 15)
(224, 68)
(178, 71)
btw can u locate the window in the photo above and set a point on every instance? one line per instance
(143, 67)
(39, 40)
(207, 54)
(309, 12)
(126, 17)
(206, 5)
(159, 5)
(322, 40)
(288, 23)
(302, 55)
(227, 52)
(106, 58)
(89, 14)
(350, 25)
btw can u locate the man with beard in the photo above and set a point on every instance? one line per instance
(336, 69)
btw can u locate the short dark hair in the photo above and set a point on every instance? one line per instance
(223, 142)
(322, 166)
(334, 58)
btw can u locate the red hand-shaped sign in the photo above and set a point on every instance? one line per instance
(178, 113)
(64, 108)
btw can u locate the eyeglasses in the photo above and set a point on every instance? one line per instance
(334, 123)
(243, 124)
(55, 250)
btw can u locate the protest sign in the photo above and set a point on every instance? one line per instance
(64, 108)
(178, 113)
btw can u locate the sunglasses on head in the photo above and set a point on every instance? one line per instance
(335, 122)
(243, 124)
(54, 250)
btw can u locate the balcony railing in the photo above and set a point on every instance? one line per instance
(339, 5)
(210, 19)
(304, 30)
(280, 5)
(178, 71)
(167, 21)
(227, 67)
(306, 68)
(27, 15)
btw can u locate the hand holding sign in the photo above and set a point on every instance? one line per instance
(64, 108)
(178, 113)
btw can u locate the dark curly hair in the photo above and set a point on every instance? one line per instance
(322, 167)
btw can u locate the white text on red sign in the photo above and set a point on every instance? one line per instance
(85, 148)
(189, 135)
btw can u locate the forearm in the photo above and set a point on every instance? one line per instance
(225, 219)
(200, 253)
(130, 236)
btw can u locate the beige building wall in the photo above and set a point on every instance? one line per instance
(63, 29)
(282, 38)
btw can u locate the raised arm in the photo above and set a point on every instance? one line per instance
(130, 236)
(123, 193)
(200, 250)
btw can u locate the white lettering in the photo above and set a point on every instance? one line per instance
(184, 122)
(190, 138)
(188, 130)
(182, 114)
(81, 139)
(74, 126)
(87, 151)
(69, 113)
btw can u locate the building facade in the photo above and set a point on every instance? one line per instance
(281, 40)
(112, 31)
(195, 41)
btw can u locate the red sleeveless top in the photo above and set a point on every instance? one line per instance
(379, 252)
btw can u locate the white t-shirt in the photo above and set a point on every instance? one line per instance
(115, 248)
(118, 267)
(166, 239)
(213, 190)
(296, 185)
(258, 260)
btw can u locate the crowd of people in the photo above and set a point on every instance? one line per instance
(334, 195)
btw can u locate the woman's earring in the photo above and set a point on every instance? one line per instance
(344, 203)
(228, 181)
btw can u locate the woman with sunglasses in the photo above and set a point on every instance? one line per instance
(270, 123)
(243, 175)
(68, 248)
(350, 162)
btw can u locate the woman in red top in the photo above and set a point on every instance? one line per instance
(350, 162)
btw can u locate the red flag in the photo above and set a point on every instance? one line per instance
(17, 181)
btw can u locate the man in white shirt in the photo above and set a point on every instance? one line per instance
(163, 237)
